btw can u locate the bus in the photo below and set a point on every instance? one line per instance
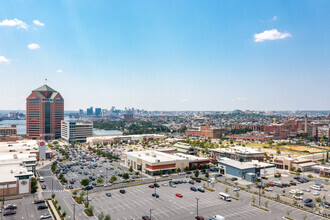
(224, 196)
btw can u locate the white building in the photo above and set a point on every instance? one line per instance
(76, 130)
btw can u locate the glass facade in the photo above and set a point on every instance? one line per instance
(47, 117)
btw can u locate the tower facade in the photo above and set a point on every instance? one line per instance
(44, 113)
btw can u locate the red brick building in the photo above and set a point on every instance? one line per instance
(206, 131)
(44, 112)
(246, 126)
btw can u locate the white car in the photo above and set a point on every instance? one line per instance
(298, 197)
(182, 173)
(236, 189)
(316, 193)
(315, 187)
(293, 191)
(45, 216)
(269, 189)
(88, 198)
(300, 192)
(306, 190)
(165, 175)
(107, 185)
(164, 184)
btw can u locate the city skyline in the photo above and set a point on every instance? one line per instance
(169, 56)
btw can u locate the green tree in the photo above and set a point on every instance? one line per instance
(53, 196)
(125, 176)
(241, 159)
(237, 194)
(186, 169)
(169, 172)
(100, 180)
(231, 141)
(178, 170)
(160, 172)
(253, 199)
(196, 173)
(34, 185)
(113, 178)
(318, 200)
(130, 169)
(288, 212)
(75, 192)
(85, 182)
(278, 151)
(107, 217)
(207, 175)
(226, 190)
(63, 214)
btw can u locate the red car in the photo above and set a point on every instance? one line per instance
(151, 186)
(43, 186)
(271, 184)
(178, 195)
(74, 180)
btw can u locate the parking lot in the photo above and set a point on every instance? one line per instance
(138, 200)
(26, 209)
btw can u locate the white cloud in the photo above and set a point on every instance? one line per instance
(274, 18)
(59, 71)
(184, 100)
(273, 34)
(4, 60)
(33, 46)
(37, 22)
(14, 23)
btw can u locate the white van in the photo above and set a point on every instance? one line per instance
(224, 196)
(165, 175)
(41, 179)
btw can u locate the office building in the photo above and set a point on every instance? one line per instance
(206, 132)
(8, 131)
(128, 117)
(81, 112)
(90, 111)
(76, 130)
(44, 113)
(98, 111)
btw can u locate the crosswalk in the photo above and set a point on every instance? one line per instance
(49, 191)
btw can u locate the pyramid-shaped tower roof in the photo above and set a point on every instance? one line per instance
(45, 91)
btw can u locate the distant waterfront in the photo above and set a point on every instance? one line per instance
(21, 127)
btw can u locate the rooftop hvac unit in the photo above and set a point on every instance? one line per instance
(158, 161)
(147, 154)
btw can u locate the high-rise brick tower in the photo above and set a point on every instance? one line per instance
(44, 112)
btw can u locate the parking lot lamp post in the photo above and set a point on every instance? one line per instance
(150, 213)
(52, 184)
(197, 205)
(87, 197)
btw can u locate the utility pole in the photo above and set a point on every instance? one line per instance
(150, 213)
(197, 205)
(74, 211)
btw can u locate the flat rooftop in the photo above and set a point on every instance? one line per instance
(238, 149)
(191, 157)
(244, 165)
(153, 156)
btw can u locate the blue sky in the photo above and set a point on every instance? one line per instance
(168, 55)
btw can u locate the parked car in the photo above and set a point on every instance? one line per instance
(193, 189)
(198, 180)
(145, 217)
(155, 195)
(270, 189)
(108, 194)
(308, 200)
(156, 185)
(10, 207)
(9, 212)
(201, 189)
(325, 204)
(297, 197)
(43, 186)
(42, 207)
(233, 179)
(178, 195)
(236, 189)
(39, 201)
(45, 216)
(122, 191)
(265, 178)
(199, 218)
(165, 175)
(164, 184)
(316, 193)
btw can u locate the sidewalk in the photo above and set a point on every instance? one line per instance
(52, 207)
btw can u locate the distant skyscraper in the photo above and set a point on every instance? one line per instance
(90, 111)
(81, 112)
(44, 112)
(97, 111)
